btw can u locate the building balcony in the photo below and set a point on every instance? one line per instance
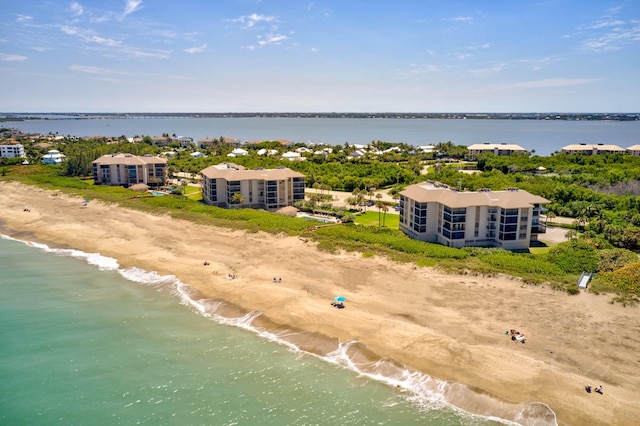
(539, 229)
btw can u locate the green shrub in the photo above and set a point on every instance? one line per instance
(521, 264)
(612, 259)
(623, 280)
(574, 257)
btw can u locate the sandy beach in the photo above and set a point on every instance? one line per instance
(448, 326)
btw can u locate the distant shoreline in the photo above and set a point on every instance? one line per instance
(600, 116)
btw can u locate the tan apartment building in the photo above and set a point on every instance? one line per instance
(268, 189)
(434, 212)
(592, 149)
(129, 169)
(634, 150)
(505, 149)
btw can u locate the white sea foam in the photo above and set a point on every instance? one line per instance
(422, 390)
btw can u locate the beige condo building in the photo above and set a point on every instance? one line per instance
(129, 169)
(268, 189)
(434, 212)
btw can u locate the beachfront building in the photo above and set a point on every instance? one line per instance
(54, 157)
(504, 149)
(268, 189)
(12, 150)
(434, 212)
(634, 150)
(129, 169)
(592, 149)
(209, 142)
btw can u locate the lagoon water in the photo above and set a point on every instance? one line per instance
(543, 136)
(85, 342)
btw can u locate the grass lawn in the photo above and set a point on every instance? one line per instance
(370, 218)
(193, 192)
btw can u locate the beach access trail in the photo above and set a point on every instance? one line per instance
(449, 326)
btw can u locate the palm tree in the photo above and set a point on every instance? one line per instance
(379, 205)
(313, 200)
(550, 217)
(571, 234)
(238, 199)
(385, 209)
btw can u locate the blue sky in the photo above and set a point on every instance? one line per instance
(320, 55)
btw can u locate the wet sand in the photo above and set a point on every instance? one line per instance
(448, 326)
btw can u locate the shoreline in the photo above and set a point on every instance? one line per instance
(449, 327)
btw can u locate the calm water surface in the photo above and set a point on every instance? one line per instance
(542, 136)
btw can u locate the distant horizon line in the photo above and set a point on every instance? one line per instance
(321, 113)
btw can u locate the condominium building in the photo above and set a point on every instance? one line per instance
(268, 189)
(495, 149)
(12, 150)
(434, 212)
(128, 169)
(592, 149)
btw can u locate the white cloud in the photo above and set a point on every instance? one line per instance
(608, 32)
(12, 58)
(23, 18)
(537, 64)
(250, 21)
(196, 49)
(131, 6)
(76, 9)
(271, 39)
(604, 24)
(112, 47)
(613, 40)
(493, 69)
(69, 30)
(136, 52)
(95, 70)
(102, 40)
(465, 19)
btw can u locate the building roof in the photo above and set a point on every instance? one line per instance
(493, 146)
(427, 192)
(129, 159)
(634, 148)
(591, 147)
(230, 173)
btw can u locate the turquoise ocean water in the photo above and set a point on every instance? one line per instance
(84, 342)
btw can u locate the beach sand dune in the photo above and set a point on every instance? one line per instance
(450, 327)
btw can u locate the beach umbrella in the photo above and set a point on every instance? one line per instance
(339, 299)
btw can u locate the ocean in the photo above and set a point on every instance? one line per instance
(542, 136)
(87, 342)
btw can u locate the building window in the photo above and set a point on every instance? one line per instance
(420, 217)
(453, 224)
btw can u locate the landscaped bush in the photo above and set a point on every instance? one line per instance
(574, 257)
(612, 259)
(624, 282)
(521, 264)
(349, 235)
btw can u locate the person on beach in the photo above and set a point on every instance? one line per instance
(588, 388)
(599, 389)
